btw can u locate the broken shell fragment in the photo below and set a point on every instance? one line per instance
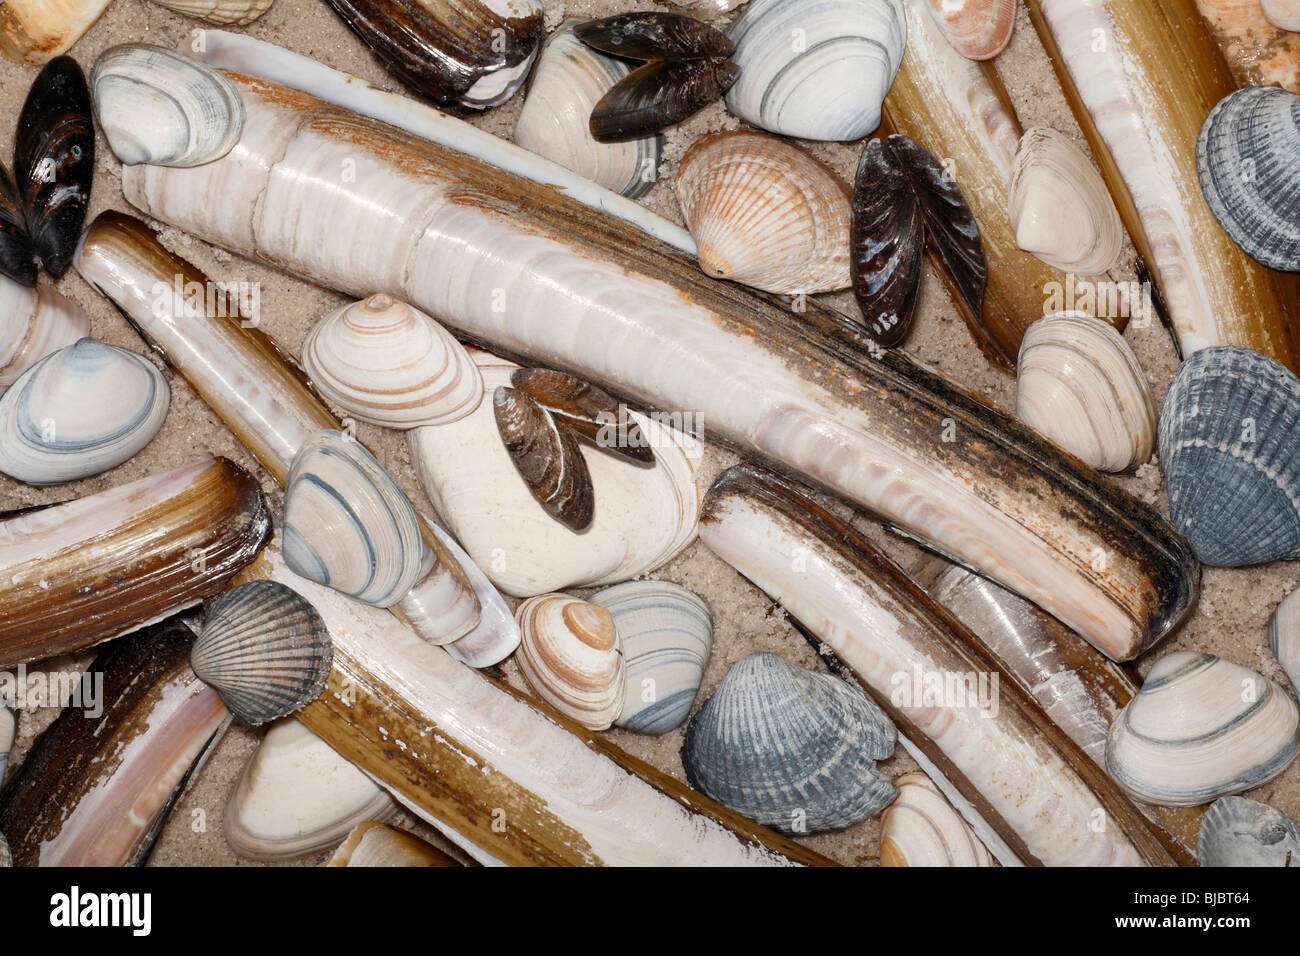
(237, 13)
(37, 322)
(587, 411)
(1236, 831)
(496, 635)
(977, 29)
(376, 844)
(571, 656)
(546, 457)
(920, 828)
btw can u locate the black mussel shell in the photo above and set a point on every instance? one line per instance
(54, 161)
(17, 259)
(655, 36)
(658, 95)
(587, 411)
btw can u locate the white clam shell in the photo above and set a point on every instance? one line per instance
(34, 323)
(816, 69)
(1079, 384)
(389, 364)
(1201, 728)
(156, 107)
(571, 657)
(766, 213)
(920, 828)
(1284, 637)
(233, 12)
(569, 81)
(80, 411)
(1283, 14)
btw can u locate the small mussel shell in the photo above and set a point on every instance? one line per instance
(1079, 384)
(1246, 161)
(238, 13)
(155, 106)
(650, 35)
(1284, 636)
(346, 523)
(921, 828)
(765, 213)
(265, 649)
(571, 656)
(389, 364)
(377, 844)
(587, 411)
(977, 29)
(1236, 831)
(1201, 728)
(667, 636)
(1229, 430)
(658, 95)
(791, 749)
(17, 258)
(80, 411)
(36, 323)
(546, 457)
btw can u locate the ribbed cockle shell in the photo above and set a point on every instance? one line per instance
(1239, 832)
(977, 29)
(571, 657)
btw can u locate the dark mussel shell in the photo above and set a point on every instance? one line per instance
(17, 259)
(658, 95)
(587, 411)
(547, 458)
(654, 36)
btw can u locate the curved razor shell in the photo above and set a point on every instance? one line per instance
(36, 31)
(585, 410)
(654, 36)
(658, 95)
(1141, 106)
(1259, 52)
(594, 296)
(82, 572)
(37, 322)
(1027, 780)
(96, 788)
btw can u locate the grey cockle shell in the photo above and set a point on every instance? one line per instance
(1239, 832)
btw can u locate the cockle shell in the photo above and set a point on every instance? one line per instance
(1284, 636)
(389, 364)
(569, 80)
(80, 411)
(546, 457)
(157, 107)
(1060, 207)
(1201, 728)
(977, 29)
(791, 749)
(237, 13)
(765, 213)
(1283, 14)
(571, 656)
(265, 649)
(376, 844)
(920, 828)
(816, 70)
(1236, 831)
(36, 322)
(1079, 384)
(667, 635)
(1246, 161)
(1228, 434)
(346, 523)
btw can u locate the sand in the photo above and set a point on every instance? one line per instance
(1231, 619)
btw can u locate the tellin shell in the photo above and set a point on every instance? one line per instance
(765, 213)
(977, 29)
(36, 322)
(571, 657)
(921, 828)
(237, 13)
(1239, 832)
(79, 411)
(1201, 728)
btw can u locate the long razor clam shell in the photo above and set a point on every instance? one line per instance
(594, 296)
(1078, 688)
(1033, 784)
(1259, 53)
(513, 779)
(92, 788)
(75, 574)
(36, 31)
(1141, 78)
(258, 391)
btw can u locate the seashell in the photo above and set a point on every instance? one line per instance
(586, 411)
(1060, 208)
(346, 523)
(80, 411)
(1236, 831)
(389, 364)
(375, 844)
(1259, 52)
(791, 749)
(920, 828)
(1283, 14)
(17, 260)
(37, 322)
(8, 730)
(36, 31)
(1284, 636)
(1257, 130)
(1201, 728)
(707, 7)
(571, 656)
(265, 649)
(296, 795)
(1227, 447)
(765, 213)
(666, 633)
(238, 13)
(828, 85)
(977, 29)
(496, 635)
(654, 36)
(1079, 384)
(569, 80)
(546, 457)
(157, 107)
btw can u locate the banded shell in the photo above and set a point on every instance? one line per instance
(1236, 831)
(571, 656)
(80, 411)
(816, 70)
(238, 13)
(1283, 14)
(265, 649)
(569, 80)
(765, 213)
(376, 844)
(1246, 161)
(921, 828)
(791, 749)
(346, 523)
(546, 457)
(36, 322)
(1284, 636)
(1228, 434)
(1079, 384)
(667, 635)
(586, 411)
(1060, 208)
(389, 364)
(977, 29)
(157, 107)
(1201, 728)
